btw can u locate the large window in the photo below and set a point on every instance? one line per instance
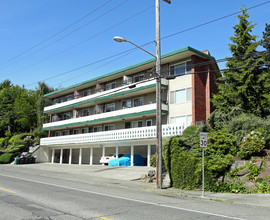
(181, 96)
(126, 104)
(109, 107)
(138, 102)
(185, 120)
(110, 86)
(109, 127)
(138, 78)
(180, 69)
(85, 112)
(97, 129)
(137, 124)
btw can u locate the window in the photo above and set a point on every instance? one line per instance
(86, 92)
(97, 129)
(65, 133)
(85, 112)
(84, 130)
(126, 104)
(138, 102)
(181, 96)
(91, 129)
(109, 107)
(109, 127)
(137, 124)
(127, 125)
(76, 131)
(185, 120)
(68, 98)
(149, 122)
(110, 86)
(138, 78)
(67, 116)
(180, 69)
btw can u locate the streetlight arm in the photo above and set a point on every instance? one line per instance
(142, 49)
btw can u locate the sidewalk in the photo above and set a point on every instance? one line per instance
(129, 177)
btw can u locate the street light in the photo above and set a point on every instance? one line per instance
(158, 90)
(158, 112)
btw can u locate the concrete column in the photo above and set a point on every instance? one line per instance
(61, 156)
(53, 155)
(148, 154)
(103, 151)
(132, 155)
(117, 151)
(91, 156)
(70, 156)
(80, 157)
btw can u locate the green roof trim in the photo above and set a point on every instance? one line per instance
(133, 66)
(105, 119)
(105, 97)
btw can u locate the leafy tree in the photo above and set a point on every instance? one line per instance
(242, 85)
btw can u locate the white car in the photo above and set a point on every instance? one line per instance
(107, 159)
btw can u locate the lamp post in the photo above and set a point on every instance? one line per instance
(158, 91)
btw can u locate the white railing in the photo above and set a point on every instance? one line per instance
(109, 115)
(115, 135)
(99, 94)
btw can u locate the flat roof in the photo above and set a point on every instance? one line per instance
(186, 51)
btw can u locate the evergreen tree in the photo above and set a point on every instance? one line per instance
(266, 69)
(241, 88)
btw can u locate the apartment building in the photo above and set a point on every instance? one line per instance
(116, 112)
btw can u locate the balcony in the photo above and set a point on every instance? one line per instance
(100, 96)
(116, 135)
(106, 117)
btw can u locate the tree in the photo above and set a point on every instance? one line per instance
(241, 86)
(265, 69)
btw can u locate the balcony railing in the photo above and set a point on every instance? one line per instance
(105, 93)
(115, 135)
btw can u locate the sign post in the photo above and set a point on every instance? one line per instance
(203, 144)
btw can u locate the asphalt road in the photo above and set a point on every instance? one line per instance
(54, 195)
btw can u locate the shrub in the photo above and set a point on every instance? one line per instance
(6, 158)
(252, 144)
(15, 149)
(221, 143)
(153, 160)
(4, 141)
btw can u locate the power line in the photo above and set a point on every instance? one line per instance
(162, 38)
(57, 33)
(192, 66)
(82, 42)
(77, 29)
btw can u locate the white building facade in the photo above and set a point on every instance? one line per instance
(116, 112)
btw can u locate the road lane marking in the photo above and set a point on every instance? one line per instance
(128, 199)
(7, 190)
(104, 218)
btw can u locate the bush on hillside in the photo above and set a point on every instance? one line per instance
(6, 158)
(252, 144)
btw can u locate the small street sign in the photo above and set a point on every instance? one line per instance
(203, 139)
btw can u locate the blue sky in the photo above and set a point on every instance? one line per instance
(27, 23)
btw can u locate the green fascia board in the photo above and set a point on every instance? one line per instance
(105, 97)
(106, 119)
(134, 66)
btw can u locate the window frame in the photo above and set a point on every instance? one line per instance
(106, 107)
(173, 96)
(140, 121)
(138, 76)
(187, 64)
(149, 120)
(110, 86)
(129, 100)
(138, 99)
(110, 125)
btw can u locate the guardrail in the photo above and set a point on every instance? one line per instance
(123, 134)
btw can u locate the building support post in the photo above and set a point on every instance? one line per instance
(70, 156)
(61, 156)
(148, 154)
(117, 151)
(80, 157)
(91, 156)
(53, 155)
(132, 155)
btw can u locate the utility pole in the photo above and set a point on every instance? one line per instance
(158, 99)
